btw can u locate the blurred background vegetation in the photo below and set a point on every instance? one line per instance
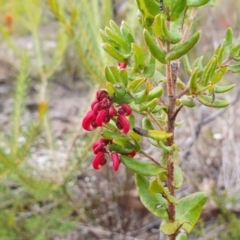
(51, 63)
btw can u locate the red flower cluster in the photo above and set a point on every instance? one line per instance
(102, 111)
(100, 150)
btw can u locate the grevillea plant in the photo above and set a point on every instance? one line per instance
(145, 82)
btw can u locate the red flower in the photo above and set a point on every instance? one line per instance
(89, 121)
(101, 94)
(99, 161)
(122, 65)
(116, 161)
(123, 124)
(125, 110)
(102, 117)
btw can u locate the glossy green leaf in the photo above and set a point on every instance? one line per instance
(178, 176)
(189, 209)
(117, 38)
(135, 84)
(156, 51)
(139, 61)
(159, 135)
(182, 48)
(111, 135)
(128, 148)
(156, 92)
(148, 18)
(171, 227)
(235, 68)
(210, 102)
(188, 101)
(119, 56)
(156, 186)
(178, 9)
(158, 27)
(155, 203)
(123, 75)
(147, 123)
(222, 89)
(126, 32)
(110, 88)
(193, 84)
(170, 35)
(209, 71)
(150, 105)
(150, 68)
(187, 65)
(182, 236)
(228, 41)
(197, 3)
(235, 51)
(141, 96)
(151, 6)
(140, 167)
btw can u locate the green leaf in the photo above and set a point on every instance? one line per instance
(139, 61)
(178, 176)
(235, 68)
(209, 70)
(159, 135)
(193, 85)
(178, 9)
(151, 6)
(189, 209)
(156, 51)
(222, 89)
(228, 41)
(135, 84)
(156, 186)
(171, 227)
(182, 236)
(155, 203)
(197, 3)
(140, 167)
(211, 102)
(150, 68)
(182, 48)
(148, 17)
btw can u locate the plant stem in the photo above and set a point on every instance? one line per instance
(156, 121)
(152, 159)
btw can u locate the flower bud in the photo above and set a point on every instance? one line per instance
(123, 124)
(102, 117)
(115, 160)
(101, 94)
(99, 160)
(125, 110)
(88, 122)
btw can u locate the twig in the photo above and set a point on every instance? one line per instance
(156, 121)
(152, 159)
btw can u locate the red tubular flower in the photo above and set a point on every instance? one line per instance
(122, 65)
(116, 161)
(102, 117)
(101, 94)
(95, 106)
(125, 110)
(123, 124)
(132, 154)
(88, 122)
(106, 103)
(98, 146)
(99, 161)
(112, 111)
